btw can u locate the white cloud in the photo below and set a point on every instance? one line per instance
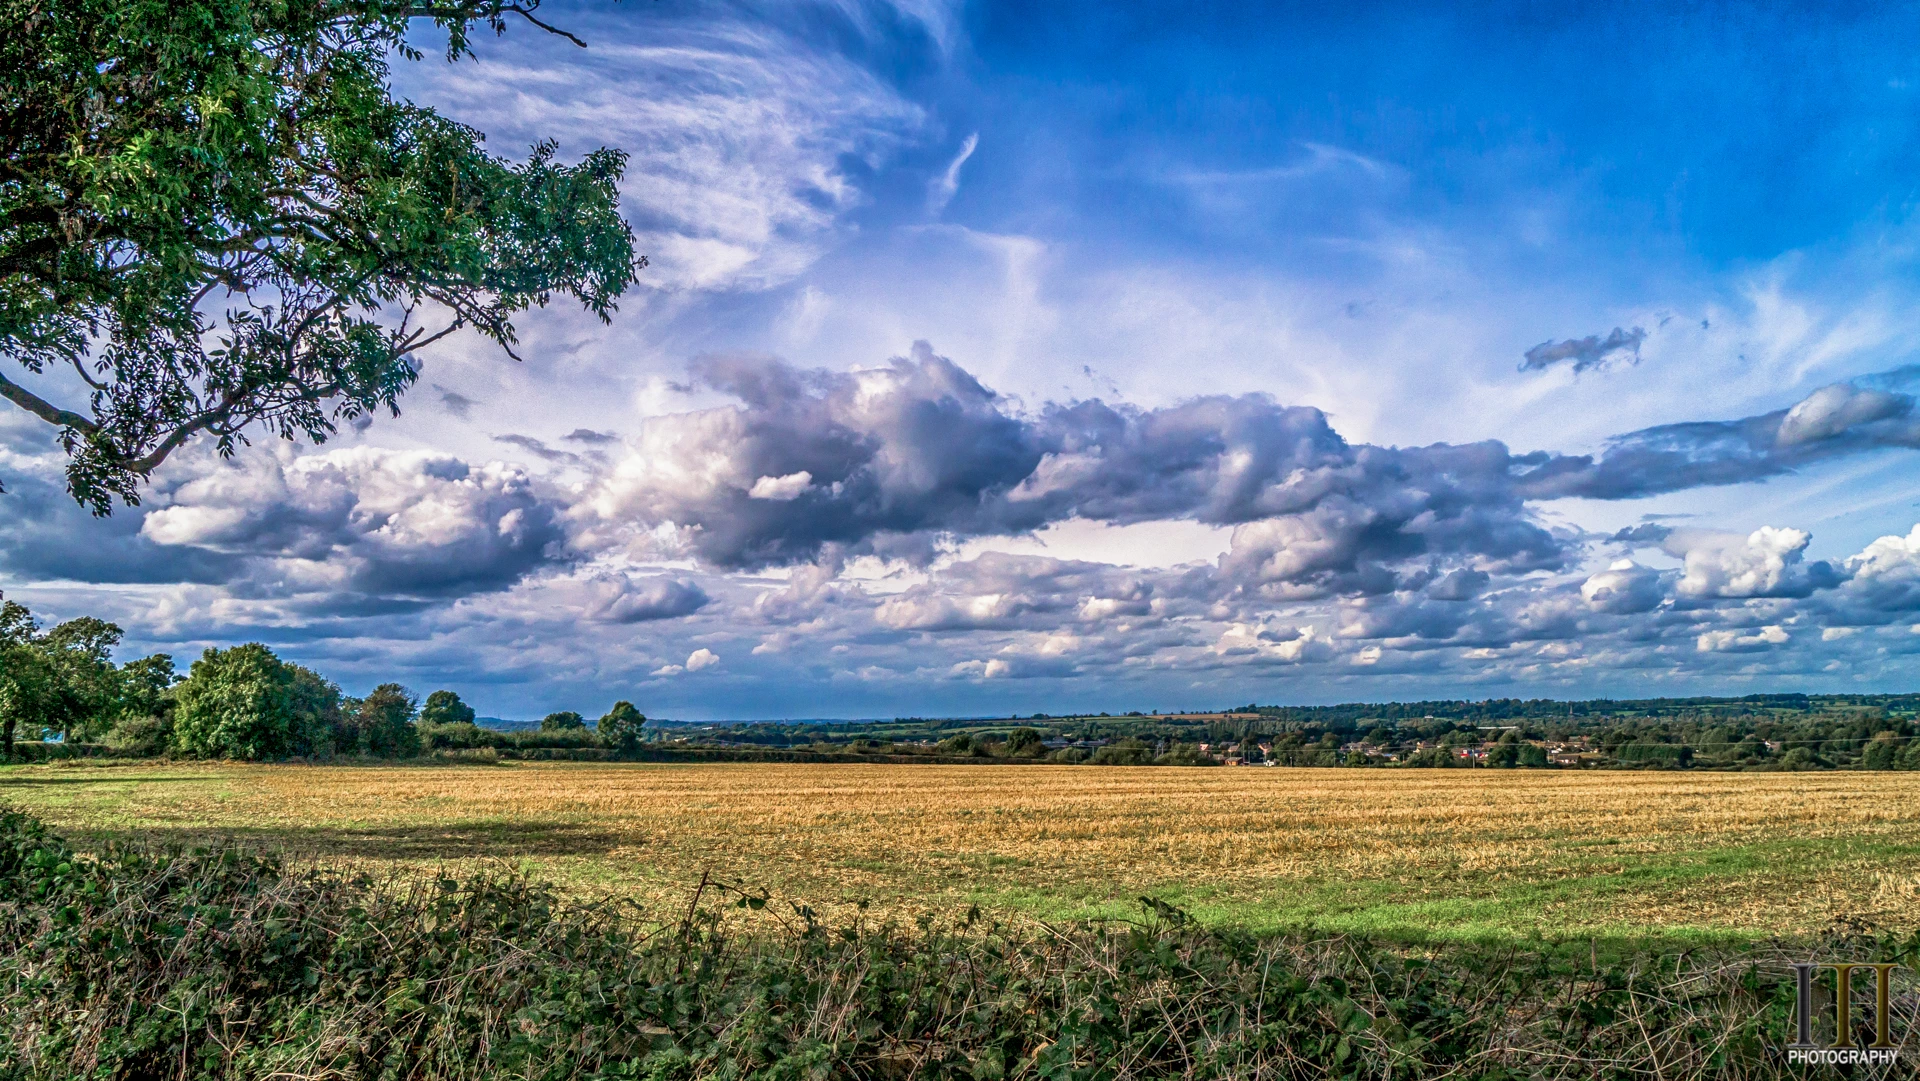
(744, 141)
(1732, 641)
(1767, 562)
(781, 489)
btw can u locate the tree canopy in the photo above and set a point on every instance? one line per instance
(445, 707)
(63, 681)
(621, 727)
(565, 720)
(215, 218)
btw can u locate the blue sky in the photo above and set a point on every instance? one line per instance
(1124, 357)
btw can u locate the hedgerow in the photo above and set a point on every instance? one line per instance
(136, 962)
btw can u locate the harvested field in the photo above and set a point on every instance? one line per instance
(1407, 853)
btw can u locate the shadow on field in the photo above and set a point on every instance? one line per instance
(452, 841)
(145, 778)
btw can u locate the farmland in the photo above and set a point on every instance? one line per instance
(1458, 854)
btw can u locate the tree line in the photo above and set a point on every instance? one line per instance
(243, 702)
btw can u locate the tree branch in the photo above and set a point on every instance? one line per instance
(42, 408)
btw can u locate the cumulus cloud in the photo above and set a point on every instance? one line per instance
(1768, 562)
(826, 510)
(638, 602)
(1592, 351)
(884, 460)
(1733, 641)
(903, 461)
(781, 489)
(1624, 587)
(375, 521)
(698, 660)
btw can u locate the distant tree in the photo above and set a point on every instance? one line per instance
(235, 703)
(1026, 741)
(564, 721)
(445, 707)
(214, 216)
(384, 719)
(1532, 756)
(1123, 752)
(964, 743)
(1882, 753)
(1185, 754)
(621, 728)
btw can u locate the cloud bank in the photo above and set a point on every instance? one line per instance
(810, 526)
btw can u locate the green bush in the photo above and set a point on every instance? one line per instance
(140, 737)
(461, 736)
(552, 739)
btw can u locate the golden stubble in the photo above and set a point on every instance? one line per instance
(934, 835)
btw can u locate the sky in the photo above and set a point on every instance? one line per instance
(995, 360)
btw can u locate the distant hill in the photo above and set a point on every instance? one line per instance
(501, 724)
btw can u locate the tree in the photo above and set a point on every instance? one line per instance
(62, 681)
(215, 218)
(26, 679)
(1026, 741)
(144, 685)
(445, 707)
(235, 703)
(1123, 752)
(621, 727)
(86, 685)
(386, 723)
(319, 724)
(568, 721)
(143, 724)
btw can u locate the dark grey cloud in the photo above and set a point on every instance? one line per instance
(654, 598)
(45, 535)
(538, 448)
(1834, 421)
(1592, 351)
(590, 437)
(457, 403)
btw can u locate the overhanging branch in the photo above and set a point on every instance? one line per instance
(42, 408)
